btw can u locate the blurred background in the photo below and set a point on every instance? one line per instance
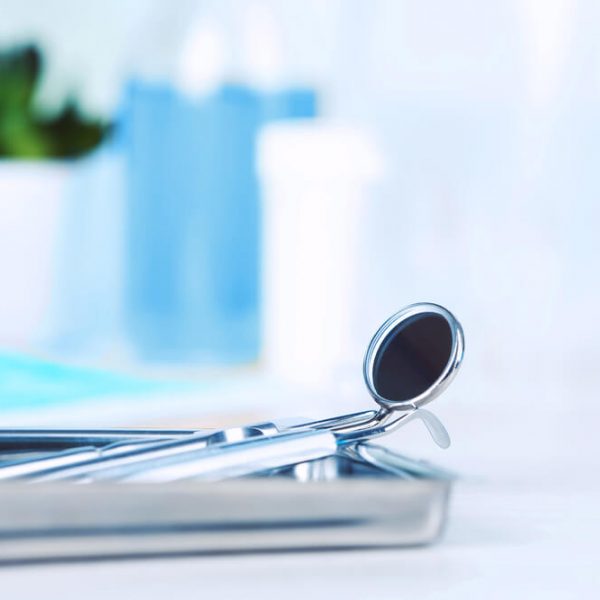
(208, 207)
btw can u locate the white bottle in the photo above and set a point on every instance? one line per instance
(315, 178)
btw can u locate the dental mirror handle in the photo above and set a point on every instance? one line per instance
(386, 421)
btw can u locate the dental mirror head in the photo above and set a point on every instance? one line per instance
(413, 357)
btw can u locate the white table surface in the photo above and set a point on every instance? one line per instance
(502, 542)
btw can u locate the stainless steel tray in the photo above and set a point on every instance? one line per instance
(359, 507)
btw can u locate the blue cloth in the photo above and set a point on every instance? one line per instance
(29, 383)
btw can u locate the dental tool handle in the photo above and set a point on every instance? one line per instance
(223, 461)
(67, 459)
(132, 452)
(387, 421)
(39, 439)
(27, 468)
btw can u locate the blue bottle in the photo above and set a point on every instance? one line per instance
(192, 219)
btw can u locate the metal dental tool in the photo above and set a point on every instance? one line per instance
(410, 360)
(75, 463)
(63, 439)
(233, 459)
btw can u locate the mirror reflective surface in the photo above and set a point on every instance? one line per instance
(412, 357)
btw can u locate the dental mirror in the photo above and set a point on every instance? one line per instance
(413, 356)
(411, 359)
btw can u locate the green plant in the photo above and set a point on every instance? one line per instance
(24, 132)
